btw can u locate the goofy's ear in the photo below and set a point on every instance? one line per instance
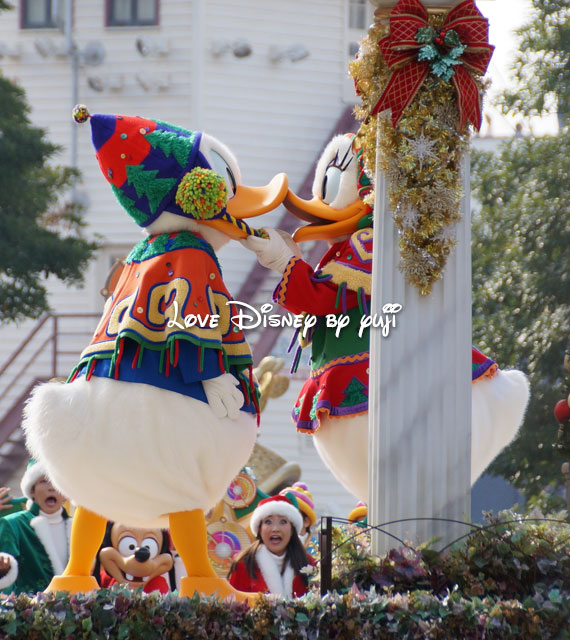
(107, 542)
(165, 548)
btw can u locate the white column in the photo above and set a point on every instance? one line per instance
(420, 390)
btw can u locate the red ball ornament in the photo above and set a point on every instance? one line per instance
(562, 411)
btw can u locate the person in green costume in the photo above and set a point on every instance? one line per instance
(34, 544)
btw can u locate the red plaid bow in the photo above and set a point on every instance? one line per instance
(400, 51)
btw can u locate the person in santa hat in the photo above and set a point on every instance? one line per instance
(274, 562)
(34, 544)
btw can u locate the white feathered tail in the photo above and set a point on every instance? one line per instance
(497, 411)
(132, 452)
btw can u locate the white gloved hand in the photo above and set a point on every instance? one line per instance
(223, 396)
(274, 252)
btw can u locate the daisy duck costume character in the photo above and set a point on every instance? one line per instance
(161, 411)
(275, 561)
(333, 403)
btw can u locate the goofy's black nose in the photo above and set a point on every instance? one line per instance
(142, 554)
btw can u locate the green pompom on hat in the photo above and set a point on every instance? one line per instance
(202, 193)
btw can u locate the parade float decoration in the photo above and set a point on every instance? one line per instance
(427, 69)
(420, 77)
(166, 385)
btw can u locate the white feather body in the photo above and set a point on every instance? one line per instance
(132, 452)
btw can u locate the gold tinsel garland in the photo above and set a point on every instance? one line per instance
(421, 158)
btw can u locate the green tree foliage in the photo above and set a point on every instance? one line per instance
(39, 231)
(521, 284)
(521, 248)
(542, 67)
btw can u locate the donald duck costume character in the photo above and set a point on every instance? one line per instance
(160, 413)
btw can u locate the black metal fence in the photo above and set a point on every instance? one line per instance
(326, 533)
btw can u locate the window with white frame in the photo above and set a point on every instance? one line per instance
(39, 14)
(358, 16)
(132, 13)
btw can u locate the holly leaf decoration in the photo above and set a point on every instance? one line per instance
(456, 52)
(425, 35)
(451, 38)
(429, 52)
(443, 68)
(441, 63)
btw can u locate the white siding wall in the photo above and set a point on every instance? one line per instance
(275, 117)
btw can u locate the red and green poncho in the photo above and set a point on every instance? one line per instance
(342, 282)
(160, 327)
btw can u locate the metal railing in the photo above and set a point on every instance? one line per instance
(327, 550)
(50, 349)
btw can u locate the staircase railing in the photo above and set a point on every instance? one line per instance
(50, 350)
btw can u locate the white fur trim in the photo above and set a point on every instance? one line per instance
(278, 508)
(497, 410)
(171, 222)
(12, 574)
(29, 479)
(348, 187)
(276, 583)
(132, 452)
(43, 530)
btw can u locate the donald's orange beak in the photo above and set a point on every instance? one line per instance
(249, 202)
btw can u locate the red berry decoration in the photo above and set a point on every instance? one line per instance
(562, 411)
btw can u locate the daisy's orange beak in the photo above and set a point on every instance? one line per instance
(324, 221)
(249, 202)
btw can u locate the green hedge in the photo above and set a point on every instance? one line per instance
(117, 613)
(512, 581)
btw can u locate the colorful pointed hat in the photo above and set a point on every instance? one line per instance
(153, 166)
(304, 500)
